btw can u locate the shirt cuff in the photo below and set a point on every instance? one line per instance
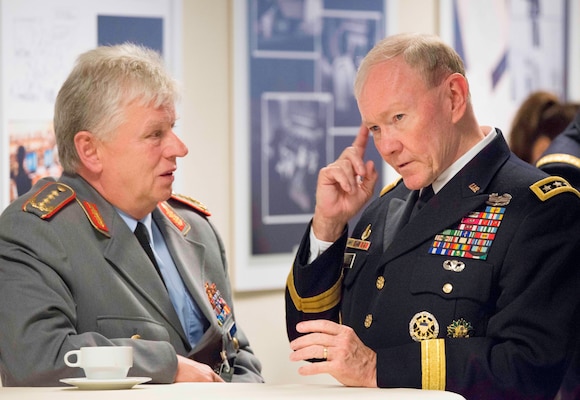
(317, 247)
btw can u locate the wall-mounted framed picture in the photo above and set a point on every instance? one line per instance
(510, 49)
(294, 112)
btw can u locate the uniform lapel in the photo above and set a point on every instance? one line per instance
(189, 258)
(125, 255)
(463, 194)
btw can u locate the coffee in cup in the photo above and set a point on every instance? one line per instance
(102, 362)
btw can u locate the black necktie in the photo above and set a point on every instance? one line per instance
(424, 197)
(143, 238)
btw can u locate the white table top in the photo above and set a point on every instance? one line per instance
(214, 391)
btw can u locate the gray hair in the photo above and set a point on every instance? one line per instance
(434, 59)
(102, 83)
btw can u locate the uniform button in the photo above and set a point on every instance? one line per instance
(447, 288)
(368, 320)
(380, 282)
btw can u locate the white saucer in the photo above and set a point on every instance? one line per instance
(105, 384)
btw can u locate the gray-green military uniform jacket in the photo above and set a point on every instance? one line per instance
(73, 274)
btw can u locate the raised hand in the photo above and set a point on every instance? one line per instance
(343, 188)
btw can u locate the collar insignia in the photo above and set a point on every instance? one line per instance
(175, 219)
(94, 216)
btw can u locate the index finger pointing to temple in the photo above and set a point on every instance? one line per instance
(361, 140)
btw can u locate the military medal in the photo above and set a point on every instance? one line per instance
(219, 305)
(459, 329)
(474, 235)
(423, 326)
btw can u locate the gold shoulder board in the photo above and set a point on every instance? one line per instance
(551, 186)
(49, 199)
(188, 201)
(390, 186)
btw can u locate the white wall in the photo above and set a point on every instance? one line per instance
(207, 171)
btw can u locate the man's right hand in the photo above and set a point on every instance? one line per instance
(343, 188)
(193, 371)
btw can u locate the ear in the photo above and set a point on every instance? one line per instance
(86, 145)
(459, 95)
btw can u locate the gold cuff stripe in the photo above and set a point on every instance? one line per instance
(559, 158)
(315, 304)
(433, 364)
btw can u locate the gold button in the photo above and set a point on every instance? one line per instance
(380, 282)
(447, 288)
(236, 343)
(368, 320)
(136, 336)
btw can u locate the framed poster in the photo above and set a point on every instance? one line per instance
(40, 42)
(295, 63)
(510, 49)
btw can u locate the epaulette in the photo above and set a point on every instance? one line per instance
(390, 186)
(49, 200)
(551, 186)
(559, 158)
(188, 201)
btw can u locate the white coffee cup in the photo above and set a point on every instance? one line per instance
(102, 362)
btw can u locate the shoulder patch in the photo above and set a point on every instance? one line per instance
(188, 201)
(559, 158)
(390, 186)
(49, 200)
(551, 186)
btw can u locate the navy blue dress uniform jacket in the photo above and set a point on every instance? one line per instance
(562, 157)
(73, 274)
(490, 318)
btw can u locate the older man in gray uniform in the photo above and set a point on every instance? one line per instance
(72, 271)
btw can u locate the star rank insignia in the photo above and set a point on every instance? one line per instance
(551, 186)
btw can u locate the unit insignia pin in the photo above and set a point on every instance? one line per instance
(423, 326)
(459, 329)
(496, 200)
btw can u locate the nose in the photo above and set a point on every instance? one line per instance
(176, 147)
(387, 144)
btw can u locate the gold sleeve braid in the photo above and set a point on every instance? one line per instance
(315, 304)
(433, 364)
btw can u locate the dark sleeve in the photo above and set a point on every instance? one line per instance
(313, 291)
(570, 172)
